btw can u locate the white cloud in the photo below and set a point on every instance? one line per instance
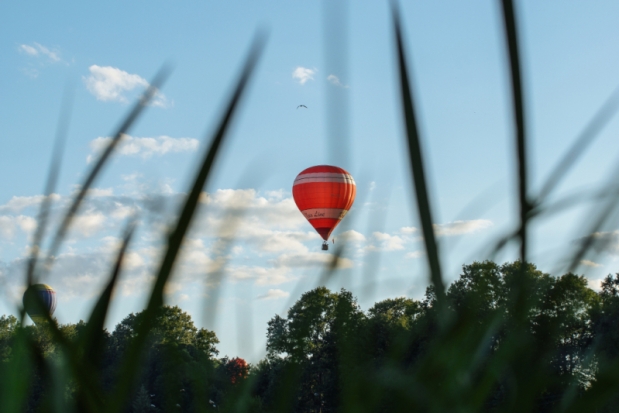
(461, 227)
(172, 288)
(336, 81)
(98, 192)
(453, 228)
(40, 50)
(144, 147)
(18, 203)
(351, 236)
(310, 259)
(607, 242)
(385, 242)
(415, 254)
(7, 227)
(595, 284)
(10, 223)
(303, 74)
(590, 263)
(88, 223)
(28, 49)
(109, 83)
(27, 224)
(261, 275)
(274, 294)
(242, 235)
(269, 225)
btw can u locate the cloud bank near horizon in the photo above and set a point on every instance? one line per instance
(238, 235)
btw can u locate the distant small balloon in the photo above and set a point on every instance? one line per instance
(46, 295)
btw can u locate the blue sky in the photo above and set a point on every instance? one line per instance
(110, 51)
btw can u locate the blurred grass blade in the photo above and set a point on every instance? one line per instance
(586, 137)
(52, 179)
(571, 200)
(184, 221)
(21, 361)
(129, 370)
(416, 159)
(335, 17)
(93, 337)
(230, 223)
(596, 225)
(519, 120)
(133, 115)
(91, 398)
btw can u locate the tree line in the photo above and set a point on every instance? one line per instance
(515, 333)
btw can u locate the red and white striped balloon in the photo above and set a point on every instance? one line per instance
(324, 194)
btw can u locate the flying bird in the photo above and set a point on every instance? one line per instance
(301, 106)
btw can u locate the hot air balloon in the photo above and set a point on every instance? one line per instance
(47, 297)
(324, 194)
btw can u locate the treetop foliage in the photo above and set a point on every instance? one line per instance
(507, 323)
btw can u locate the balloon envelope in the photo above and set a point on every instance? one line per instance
(324, 194)
(46, 295)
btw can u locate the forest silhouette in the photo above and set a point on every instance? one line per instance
(327, 353)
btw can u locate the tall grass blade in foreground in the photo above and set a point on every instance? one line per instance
(416, 163)
(519, 120)
(129, 369)
(92, 339)
(52, 179)
(584, 139)
(133, 115)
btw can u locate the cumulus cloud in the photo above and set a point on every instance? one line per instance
(87, 224)
(595, 284)
(144, 147)
(311, 259)
(242, 235)
(336, 81)
(39, 50)
(19, 203)
(74, 274)
(351, 236)
(270, 224)
(453, 228)
(303, 74)
(274, 294)
(26, 224)
(10, 223)
(385, 242)
(461, 227)
(109, 83)
(260, 275)
(7, 227)
(604, 242)
(415, 254)
(590, 263)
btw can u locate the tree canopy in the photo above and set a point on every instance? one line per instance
(515, 338)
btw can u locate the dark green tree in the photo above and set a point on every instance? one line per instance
(316, 341)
